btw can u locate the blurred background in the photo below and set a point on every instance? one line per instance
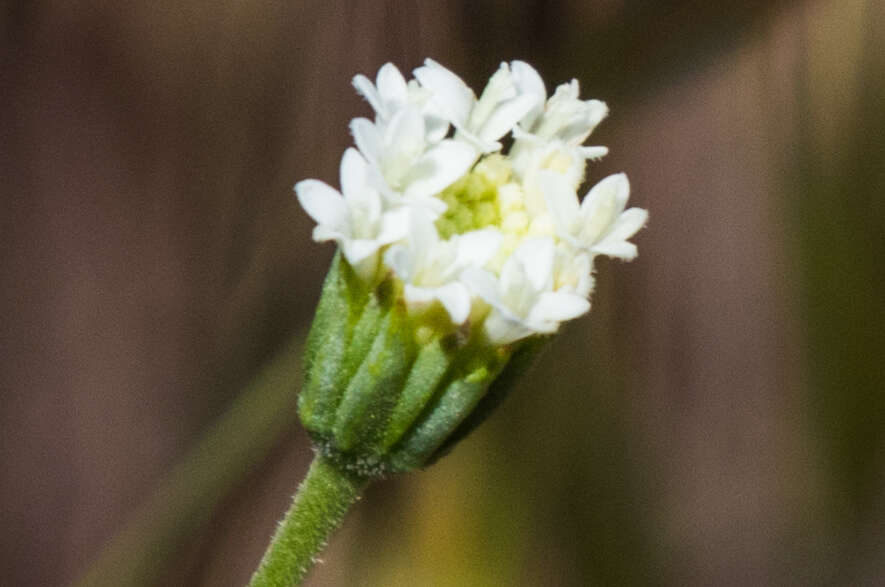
(717, 419)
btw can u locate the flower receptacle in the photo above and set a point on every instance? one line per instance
(386, 391)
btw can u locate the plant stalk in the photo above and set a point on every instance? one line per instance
(322, 500)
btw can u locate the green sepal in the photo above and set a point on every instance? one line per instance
(363, 337)
(428, 371)
(523, 358)
(456, 401)
(389, 392)
(341, 302)
(376, 385)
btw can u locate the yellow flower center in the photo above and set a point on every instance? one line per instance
(473, 200)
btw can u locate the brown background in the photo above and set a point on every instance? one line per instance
(716, 419)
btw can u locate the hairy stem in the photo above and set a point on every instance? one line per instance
(320, 504)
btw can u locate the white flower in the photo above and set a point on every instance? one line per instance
(599, 224)
(560, 127)
(499, 241)
(550, 157)
(410, 167)
(354, 220)
(431, 268)
(565, 116)
(572, 271)
(391, 93)
(528, 81)
(523, 300)
(480, 122)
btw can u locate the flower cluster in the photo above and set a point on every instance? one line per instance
(495, 239)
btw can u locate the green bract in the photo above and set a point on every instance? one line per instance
(388, 392)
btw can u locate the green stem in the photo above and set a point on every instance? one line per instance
(323, 498)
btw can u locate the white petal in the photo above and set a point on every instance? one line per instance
(423, 237)
(582, 119)
(365, 87)
(515, 290)
(366, 268)
(357, 250)
(503, 329)
(362, 199)
(596, 112)
(454, 98)
(477, 247)
(439, 167)
(429, 206)
(473, 140)
(617, 249)
(628, 224)
(536, 257)
(404, 135)
(601, 207)
(453, 296)
(392, 85)
(505, 117)
(524, 139)
(322, 232)
(593, 153)
(562, 202)
(617, 187)
(528, 81)
(435, 122)
(394, 225)
(419, 296)
(482, 284)
(353, 173)
(399, 260)
(323, 203)
(557, 307)
(367, 138)
(436, 127)
(571, 271)
(582, 264)
(498, 90)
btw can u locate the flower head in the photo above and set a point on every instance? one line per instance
(502, 239)
(456, 252)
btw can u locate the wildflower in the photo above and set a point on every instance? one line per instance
(457, 254)
(391, 93)
(410, 167)
(431, 268)
(355, 220)
(523, 299)
(481, 122)
(457, 259)
(599, 224)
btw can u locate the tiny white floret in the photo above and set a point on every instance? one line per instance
(600, 224)
(354, 219)
(523, 300)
